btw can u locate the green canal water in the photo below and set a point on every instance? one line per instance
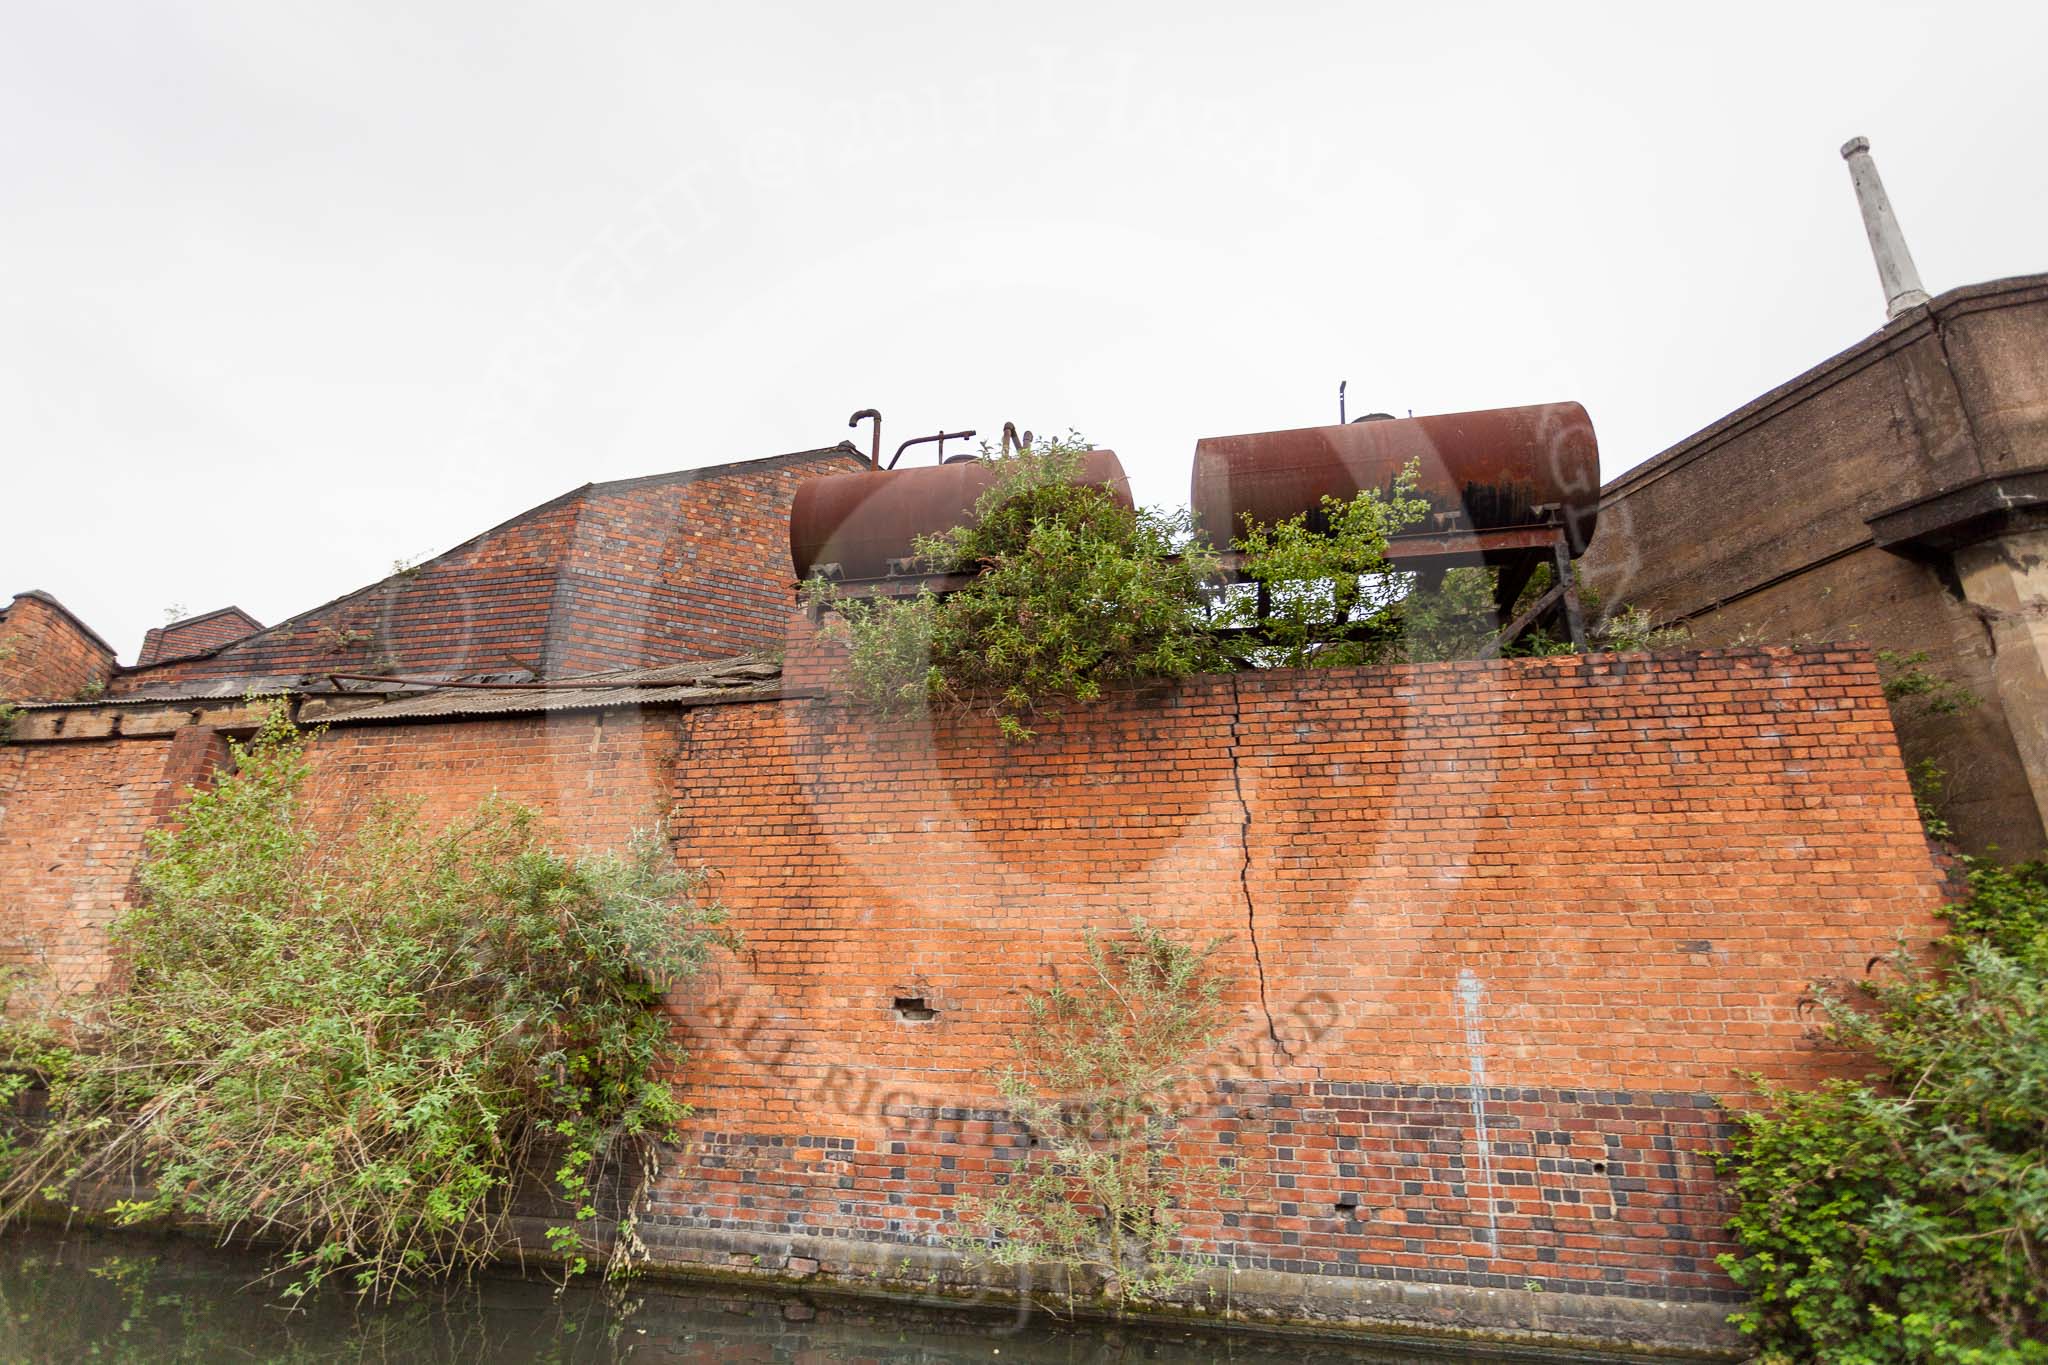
(96, 1297)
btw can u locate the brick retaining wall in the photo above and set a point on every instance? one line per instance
(1499, 935)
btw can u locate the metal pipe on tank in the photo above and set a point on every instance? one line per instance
(941, 437)
(875, 443)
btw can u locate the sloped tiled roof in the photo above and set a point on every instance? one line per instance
(691, 564)
(193, 635)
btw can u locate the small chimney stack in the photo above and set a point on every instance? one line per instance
(1895, 269)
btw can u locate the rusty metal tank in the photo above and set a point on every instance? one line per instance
(1480, 471)
(864, 520)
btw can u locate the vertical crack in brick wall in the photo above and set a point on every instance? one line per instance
(1244, 869)
(1471, 1001)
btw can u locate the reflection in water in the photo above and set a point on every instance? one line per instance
(80, 1297)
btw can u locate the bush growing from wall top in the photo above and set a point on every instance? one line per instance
(1074, 594)
(1331, 600)
(1904, 1217)
(355, 1046)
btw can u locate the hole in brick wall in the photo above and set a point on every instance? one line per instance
(1347, 1206)
(912, 1009)
(1599, 1168)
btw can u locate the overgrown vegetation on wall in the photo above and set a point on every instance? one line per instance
(1904, 1217)
(1330, 598)
(1075, 594)
(1099, 1072)
(1917, 696)
(356, 1046)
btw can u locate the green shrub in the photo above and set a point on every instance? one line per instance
(1099, 1068)
(1913, 691)
(1904, 1217)
(1332, 600)
(1630, 630)
(1075, 593)
(31, 1053)
(1457, 619)
(355, 1047)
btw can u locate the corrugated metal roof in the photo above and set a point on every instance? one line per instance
(749, 677)
(234, 689)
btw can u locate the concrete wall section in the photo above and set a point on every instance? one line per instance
(1783, 522)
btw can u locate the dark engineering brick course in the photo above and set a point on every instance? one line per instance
(1562, 1160)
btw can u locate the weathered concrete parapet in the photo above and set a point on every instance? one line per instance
(2006, 579)
(1833, 508)
(1311, 1306)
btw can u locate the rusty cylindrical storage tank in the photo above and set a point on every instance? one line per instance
(863, 520)
(1497, 468)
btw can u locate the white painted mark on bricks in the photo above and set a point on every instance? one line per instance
(1471, 1005)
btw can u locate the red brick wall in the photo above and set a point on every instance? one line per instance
(1575, 894)
(72, 818)
(45, 654)
(666, 569)
(1560, 902)
(599, 776)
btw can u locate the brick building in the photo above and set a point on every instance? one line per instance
(47, 654)
(631, 573)
(188, 637)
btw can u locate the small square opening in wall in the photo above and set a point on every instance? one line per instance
(912, 1009)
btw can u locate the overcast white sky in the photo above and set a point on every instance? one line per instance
(294, 290)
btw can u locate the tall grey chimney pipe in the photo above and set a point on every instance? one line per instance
(1894, 263)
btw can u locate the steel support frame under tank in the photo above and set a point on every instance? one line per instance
(1517, 552)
